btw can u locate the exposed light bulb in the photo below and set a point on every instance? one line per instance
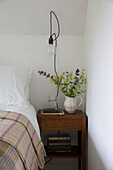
(50, 49)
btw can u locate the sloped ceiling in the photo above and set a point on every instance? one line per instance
(32, 16)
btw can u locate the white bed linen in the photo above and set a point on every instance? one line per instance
(14, 85)
(27, 111)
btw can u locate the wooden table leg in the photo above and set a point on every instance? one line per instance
(79, 145)
(84, 144)
(79, 164)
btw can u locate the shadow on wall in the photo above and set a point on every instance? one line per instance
(94, 160)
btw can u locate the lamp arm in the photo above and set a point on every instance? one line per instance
(51, 34)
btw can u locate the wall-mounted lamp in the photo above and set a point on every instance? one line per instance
(53, 44)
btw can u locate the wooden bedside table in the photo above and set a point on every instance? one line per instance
(68, 122)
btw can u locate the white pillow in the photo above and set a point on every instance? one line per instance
(14, 86)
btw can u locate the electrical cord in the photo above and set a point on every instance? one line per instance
(51, 25)
(55, 39)
(55, 70)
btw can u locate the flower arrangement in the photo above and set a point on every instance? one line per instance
(69, 83)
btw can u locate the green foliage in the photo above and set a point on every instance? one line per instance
(69, 83)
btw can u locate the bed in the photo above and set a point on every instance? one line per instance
(20, 143)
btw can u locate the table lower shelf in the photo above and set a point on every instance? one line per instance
(75, 153)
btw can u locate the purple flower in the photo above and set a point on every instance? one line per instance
(74, 83)
(38, 71)
(48, 75)
(76, 79)
(51, 77)
(44, 73)
(73, 87)
(77, 72)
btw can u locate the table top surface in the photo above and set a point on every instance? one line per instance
(76, 113)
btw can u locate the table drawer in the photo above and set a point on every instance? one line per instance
(61, 124)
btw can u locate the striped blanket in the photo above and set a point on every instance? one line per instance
(20, 146)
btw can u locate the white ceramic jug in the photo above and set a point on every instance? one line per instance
(70, 104)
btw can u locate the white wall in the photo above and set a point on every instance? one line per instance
(32, 16)
(24, 29)
(31, 50)
(99, 64)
